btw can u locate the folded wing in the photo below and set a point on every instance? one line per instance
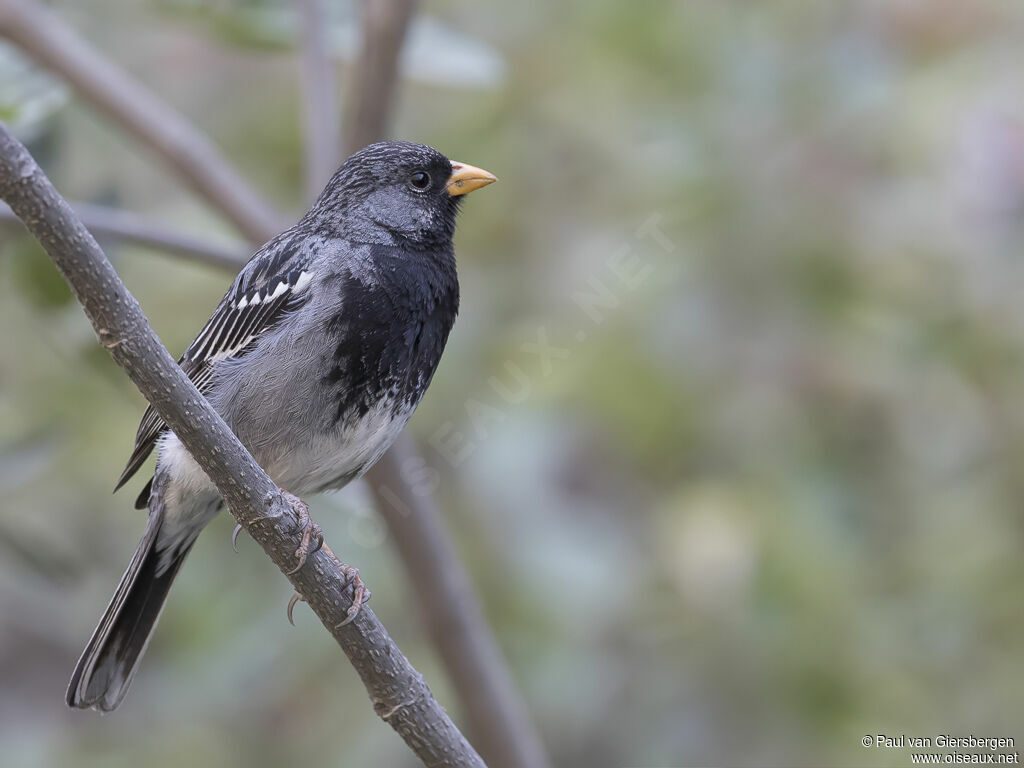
(242, 316)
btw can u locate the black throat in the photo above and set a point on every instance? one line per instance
(391, 329)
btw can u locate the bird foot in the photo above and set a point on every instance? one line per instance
(360, 594)
(234, 537)
(310, 531)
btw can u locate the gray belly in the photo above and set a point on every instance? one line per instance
(330, 460)
(287, 419)
(296, 461)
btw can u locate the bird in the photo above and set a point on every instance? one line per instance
(316, 357)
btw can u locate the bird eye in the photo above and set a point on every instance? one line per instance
(419, 180)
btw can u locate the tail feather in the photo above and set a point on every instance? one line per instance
(109, 661)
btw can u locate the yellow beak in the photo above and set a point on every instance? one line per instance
(466, 178)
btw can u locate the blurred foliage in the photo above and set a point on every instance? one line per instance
(28, 97)
(434, 52)
(763, 495)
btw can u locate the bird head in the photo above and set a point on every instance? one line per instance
(397, 193)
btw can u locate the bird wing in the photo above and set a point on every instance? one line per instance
(243, 315)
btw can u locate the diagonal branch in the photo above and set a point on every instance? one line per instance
(497, 714)
(399, 693)
(132, 106)
(444, 593)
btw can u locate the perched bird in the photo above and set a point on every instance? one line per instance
(316, 357)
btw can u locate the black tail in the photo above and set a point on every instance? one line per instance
(109, 661)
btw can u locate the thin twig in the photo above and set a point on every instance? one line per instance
(49, 41)
(497, 718)
(122, 225)
(374, 80)
(320, 98)
(399, 693)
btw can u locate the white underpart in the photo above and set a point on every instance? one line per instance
(309, 467)
(319, 463)
(185, 473)
(190, 500)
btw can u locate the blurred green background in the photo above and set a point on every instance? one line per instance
(764, 499)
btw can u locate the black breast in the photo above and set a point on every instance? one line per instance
(389, 333)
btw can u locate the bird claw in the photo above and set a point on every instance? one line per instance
(234, 537)
(310, 531)
(296, 598)
(360, 594)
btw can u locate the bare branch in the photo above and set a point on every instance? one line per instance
(399, 693)
(131, 105)
(374, 80)
(130, 227)
(320, 100)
